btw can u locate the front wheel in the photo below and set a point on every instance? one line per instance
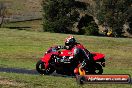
(40, 67)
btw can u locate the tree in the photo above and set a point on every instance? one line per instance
(114, 13)
(87, 26)
(59, 15)
(130, 25)
(2, 13)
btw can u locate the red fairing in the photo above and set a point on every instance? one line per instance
(98, 56)
(66, 53)
(47, 57)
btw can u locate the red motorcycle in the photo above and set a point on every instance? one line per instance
(60, 62)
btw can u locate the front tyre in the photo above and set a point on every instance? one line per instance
(40, 67)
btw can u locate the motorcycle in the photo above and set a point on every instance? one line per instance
(62, 63)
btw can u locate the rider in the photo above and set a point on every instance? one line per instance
(78, 51)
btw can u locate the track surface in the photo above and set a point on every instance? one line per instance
(18, 70)
(31, 72)
(26, 71)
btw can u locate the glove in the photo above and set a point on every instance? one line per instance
(83, 64)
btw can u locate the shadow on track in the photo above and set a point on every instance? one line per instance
(18, 70)
(26, 71)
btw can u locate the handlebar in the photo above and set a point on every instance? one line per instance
(52, 49)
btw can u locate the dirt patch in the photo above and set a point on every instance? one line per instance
(5, 81)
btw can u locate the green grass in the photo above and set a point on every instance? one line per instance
(22, 49)
(34, 25)
(40, 81)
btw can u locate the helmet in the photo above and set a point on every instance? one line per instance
(70, 41)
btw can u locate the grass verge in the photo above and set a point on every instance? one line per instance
(22, 49)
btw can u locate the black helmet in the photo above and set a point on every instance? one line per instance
(70, 41)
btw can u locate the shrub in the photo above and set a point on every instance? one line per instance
(91, 29)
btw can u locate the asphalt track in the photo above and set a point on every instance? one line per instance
(33, 72)
(19, 71)
(26, 71)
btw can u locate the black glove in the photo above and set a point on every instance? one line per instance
(83, 64)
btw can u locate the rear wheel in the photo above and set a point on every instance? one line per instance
(80, 79)
(98, 68)
(40, 67)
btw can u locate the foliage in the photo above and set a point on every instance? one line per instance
(91, 29)
(129, 30)
(59, 15)
(114, 13)
(2, 13)
(87, 26)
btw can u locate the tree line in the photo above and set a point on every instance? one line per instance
(74, 16)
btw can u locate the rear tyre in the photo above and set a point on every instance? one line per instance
(98, 68)
(40, 67)
(80, 80)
